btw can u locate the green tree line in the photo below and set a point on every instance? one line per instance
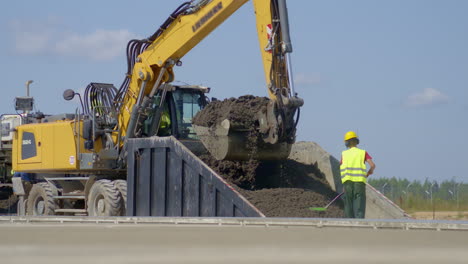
(427, 195)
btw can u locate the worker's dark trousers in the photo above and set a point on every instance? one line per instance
(355, 199)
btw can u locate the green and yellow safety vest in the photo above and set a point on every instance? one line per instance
(352, 166)
(165, 120)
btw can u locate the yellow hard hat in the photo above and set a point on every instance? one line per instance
(349, 135)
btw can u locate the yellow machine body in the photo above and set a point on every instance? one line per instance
(58, 145)
(47, 147)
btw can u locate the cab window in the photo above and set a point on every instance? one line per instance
(188, 103)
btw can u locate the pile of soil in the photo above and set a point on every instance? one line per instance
(243, 174)
(278, 189)
(291, 202)
(241, 112)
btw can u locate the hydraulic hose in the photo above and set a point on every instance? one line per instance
(99, 97)
(136, 46)
(297, 118)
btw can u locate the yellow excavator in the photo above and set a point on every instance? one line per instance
(79, 160)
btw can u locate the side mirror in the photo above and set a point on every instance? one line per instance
(69, 94)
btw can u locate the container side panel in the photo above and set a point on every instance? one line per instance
(143, 193)
(207, 198)
(132, 170)
(174, 185)
(166, 179)
(224, 206)
(191, 196)
(237, 212)
(158, 189)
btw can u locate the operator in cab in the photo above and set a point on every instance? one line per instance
(354, 176)
(164, 129)
(165, 123)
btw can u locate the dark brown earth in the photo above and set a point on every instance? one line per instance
(291, 202)
(240, 173)
(278, 189)
(241, 111)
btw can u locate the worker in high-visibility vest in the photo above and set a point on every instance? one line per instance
(354, 175)
(165, 124)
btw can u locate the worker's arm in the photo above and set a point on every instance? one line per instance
(372, 167)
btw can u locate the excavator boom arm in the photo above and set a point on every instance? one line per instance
(155, 57)
(185, 32)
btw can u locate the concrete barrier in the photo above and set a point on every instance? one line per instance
(400, 224)
(377, 207)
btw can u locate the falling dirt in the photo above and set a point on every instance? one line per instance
(278, 189)
(239, 173)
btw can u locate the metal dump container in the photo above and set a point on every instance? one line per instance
(166, 179)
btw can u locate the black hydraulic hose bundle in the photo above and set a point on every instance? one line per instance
(135, 47)
(99, 97)
(297, 117)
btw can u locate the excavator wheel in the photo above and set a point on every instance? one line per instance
(121, 185)
(41, 199)
(104, 199)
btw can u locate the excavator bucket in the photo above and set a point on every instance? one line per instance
(231, 140)
(227, 143)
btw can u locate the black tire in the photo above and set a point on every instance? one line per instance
(121, 186)
(104, 199)
(41, 199)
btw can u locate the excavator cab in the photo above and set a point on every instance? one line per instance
(181, 104)
(188, 101)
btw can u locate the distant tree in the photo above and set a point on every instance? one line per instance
(416, 195)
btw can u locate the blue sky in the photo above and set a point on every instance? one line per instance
(394, 71)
